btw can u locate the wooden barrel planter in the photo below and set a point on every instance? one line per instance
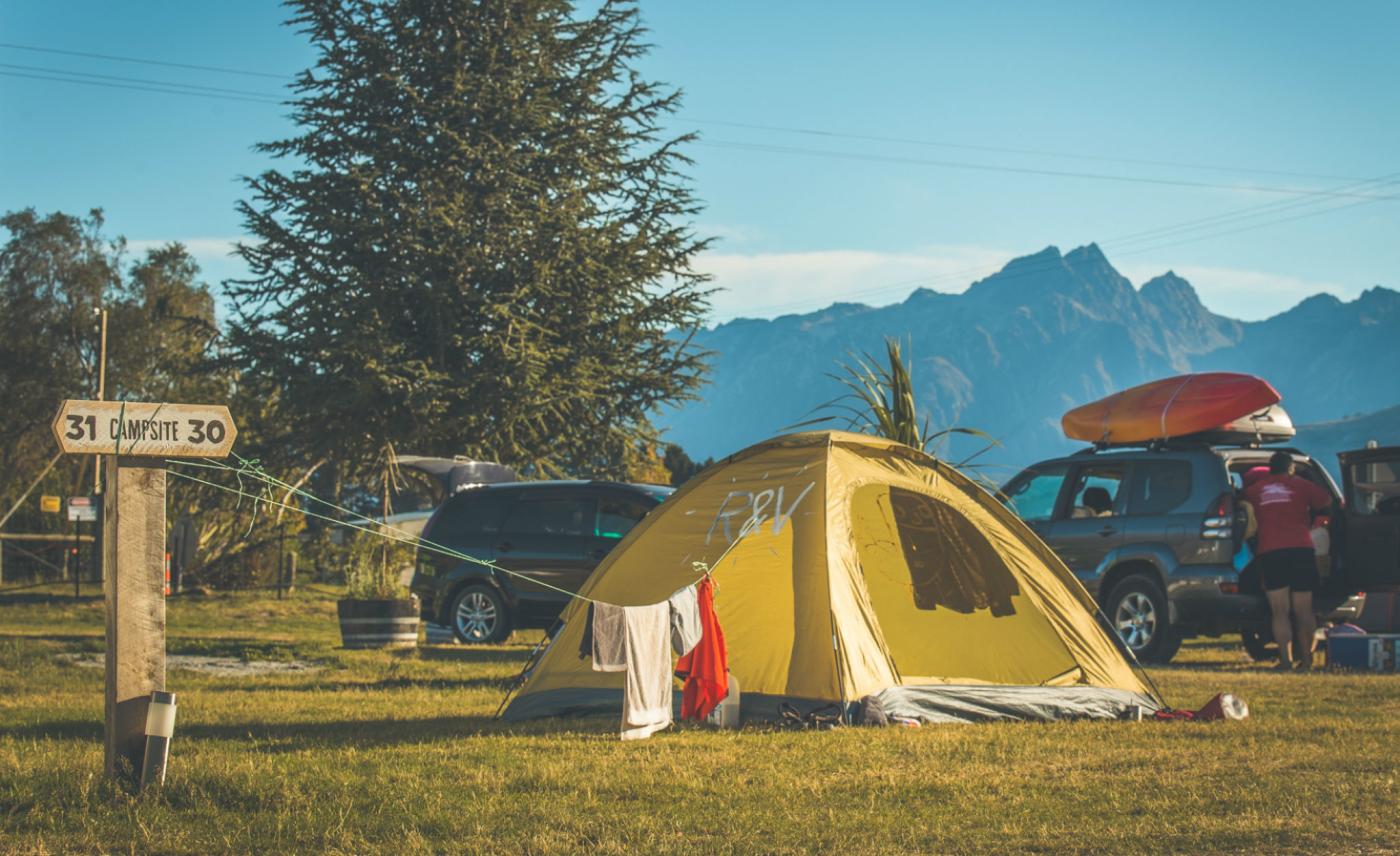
(378, 623)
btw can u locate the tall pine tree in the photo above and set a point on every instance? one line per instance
(481, 242)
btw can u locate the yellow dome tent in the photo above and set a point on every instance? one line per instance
(867, 568)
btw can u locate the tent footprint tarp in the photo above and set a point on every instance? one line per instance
(868, 567)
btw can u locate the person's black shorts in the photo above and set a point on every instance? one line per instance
(1294, 568)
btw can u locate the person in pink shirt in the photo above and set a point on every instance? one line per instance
(1283, 506)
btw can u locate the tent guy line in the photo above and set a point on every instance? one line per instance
(395, 535)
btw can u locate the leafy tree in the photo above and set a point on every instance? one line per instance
(55, 270)
(680, 465)
(481, 244)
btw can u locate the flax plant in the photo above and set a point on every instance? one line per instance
(880, 401)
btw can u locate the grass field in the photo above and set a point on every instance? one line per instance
(397, 752)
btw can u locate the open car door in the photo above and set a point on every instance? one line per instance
(1371, 483)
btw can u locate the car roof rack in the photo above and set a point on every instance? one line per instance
(1271, 449)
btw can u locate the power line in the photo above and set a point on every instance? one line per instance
(196, 90)
(140, 88)
(1253, 210)
(113, 58)
(978, 273)
(1008, 150)
(1093, 176)
(748, 125)
(140, 80)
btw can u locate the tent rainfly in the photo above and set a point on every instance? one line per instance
(871, 569)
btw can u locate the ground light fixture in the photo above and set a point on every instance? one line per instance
(160, 727)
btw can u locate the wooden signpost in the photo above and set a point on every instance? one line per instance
(137, 438)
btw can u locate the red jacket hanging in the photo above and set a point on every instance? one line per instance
(706, 668)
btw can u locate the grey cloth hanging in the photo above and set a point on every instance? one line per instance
(609, 638)
(685, 621)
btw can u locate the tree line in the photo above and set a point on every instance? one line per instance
(478, 241)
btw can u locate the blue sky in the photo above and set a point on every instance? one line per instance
(1023, 124)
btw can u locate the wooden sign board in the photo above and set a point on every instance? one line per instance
(136, 437)
(132, 428)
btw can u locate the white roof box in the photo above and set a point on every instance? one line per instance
(1270, 425)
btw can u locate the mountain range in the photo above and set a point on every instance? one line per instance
(1046, 333)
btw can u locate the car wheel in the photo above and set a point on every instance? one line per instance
(1137, 609)
(479, 615)
(1258, 644)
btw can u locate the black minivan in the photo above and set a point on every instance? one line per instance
(549, 535)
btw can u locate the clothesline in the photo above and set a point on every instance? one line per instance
(251, 469)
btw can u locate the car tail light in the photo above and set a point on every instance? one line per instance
(1229, 588)
(1220, 521)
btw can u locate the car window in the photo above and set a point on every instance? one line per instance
(1159, 487)
(1033, 499)
(1096, 490)
(618, 514)
(1375, 488)
(470, 513)
(551, 515)
(1311, 471)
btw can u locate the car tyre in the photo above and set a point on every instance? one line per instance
(478, 615)
(1258, 644)
(1137, 609)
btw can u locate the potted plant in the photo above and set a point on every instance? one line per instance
(377, 611)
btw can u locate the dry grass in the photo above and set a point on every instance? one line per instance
(396, 752)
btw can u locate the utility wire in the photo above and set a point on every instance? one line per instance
(135, 87)
(141, 84)
(196, 90)
(1036, 269)
(1007, 150)
(219, 89)
(112, 58)
(1239, 215)
(752, 125)
(1020, 170)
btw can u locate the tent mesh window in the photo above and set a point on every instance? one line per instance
(951, 563)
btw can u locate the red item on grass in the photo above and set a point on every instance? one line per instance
(1223, 706)
(706, 668)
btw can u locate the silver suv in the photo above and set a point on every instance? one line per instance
(1152, 534)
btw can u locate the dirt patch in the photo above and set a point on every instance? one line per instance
(224, 666)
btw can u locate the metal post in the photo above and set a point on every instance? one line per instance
(281, 559)
(77, 564)
(98, 556)
(101, 396)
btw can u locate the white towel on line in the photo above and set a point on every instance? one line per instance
(646, 698)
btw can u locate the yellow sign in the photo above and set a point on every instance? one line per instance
(144, 428)
(49, 504)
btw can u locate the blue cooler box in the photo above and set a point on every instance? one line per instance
(1349, 651)
(1376, 652)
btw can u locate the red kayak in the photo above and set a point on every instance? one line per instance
(1173, 407)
